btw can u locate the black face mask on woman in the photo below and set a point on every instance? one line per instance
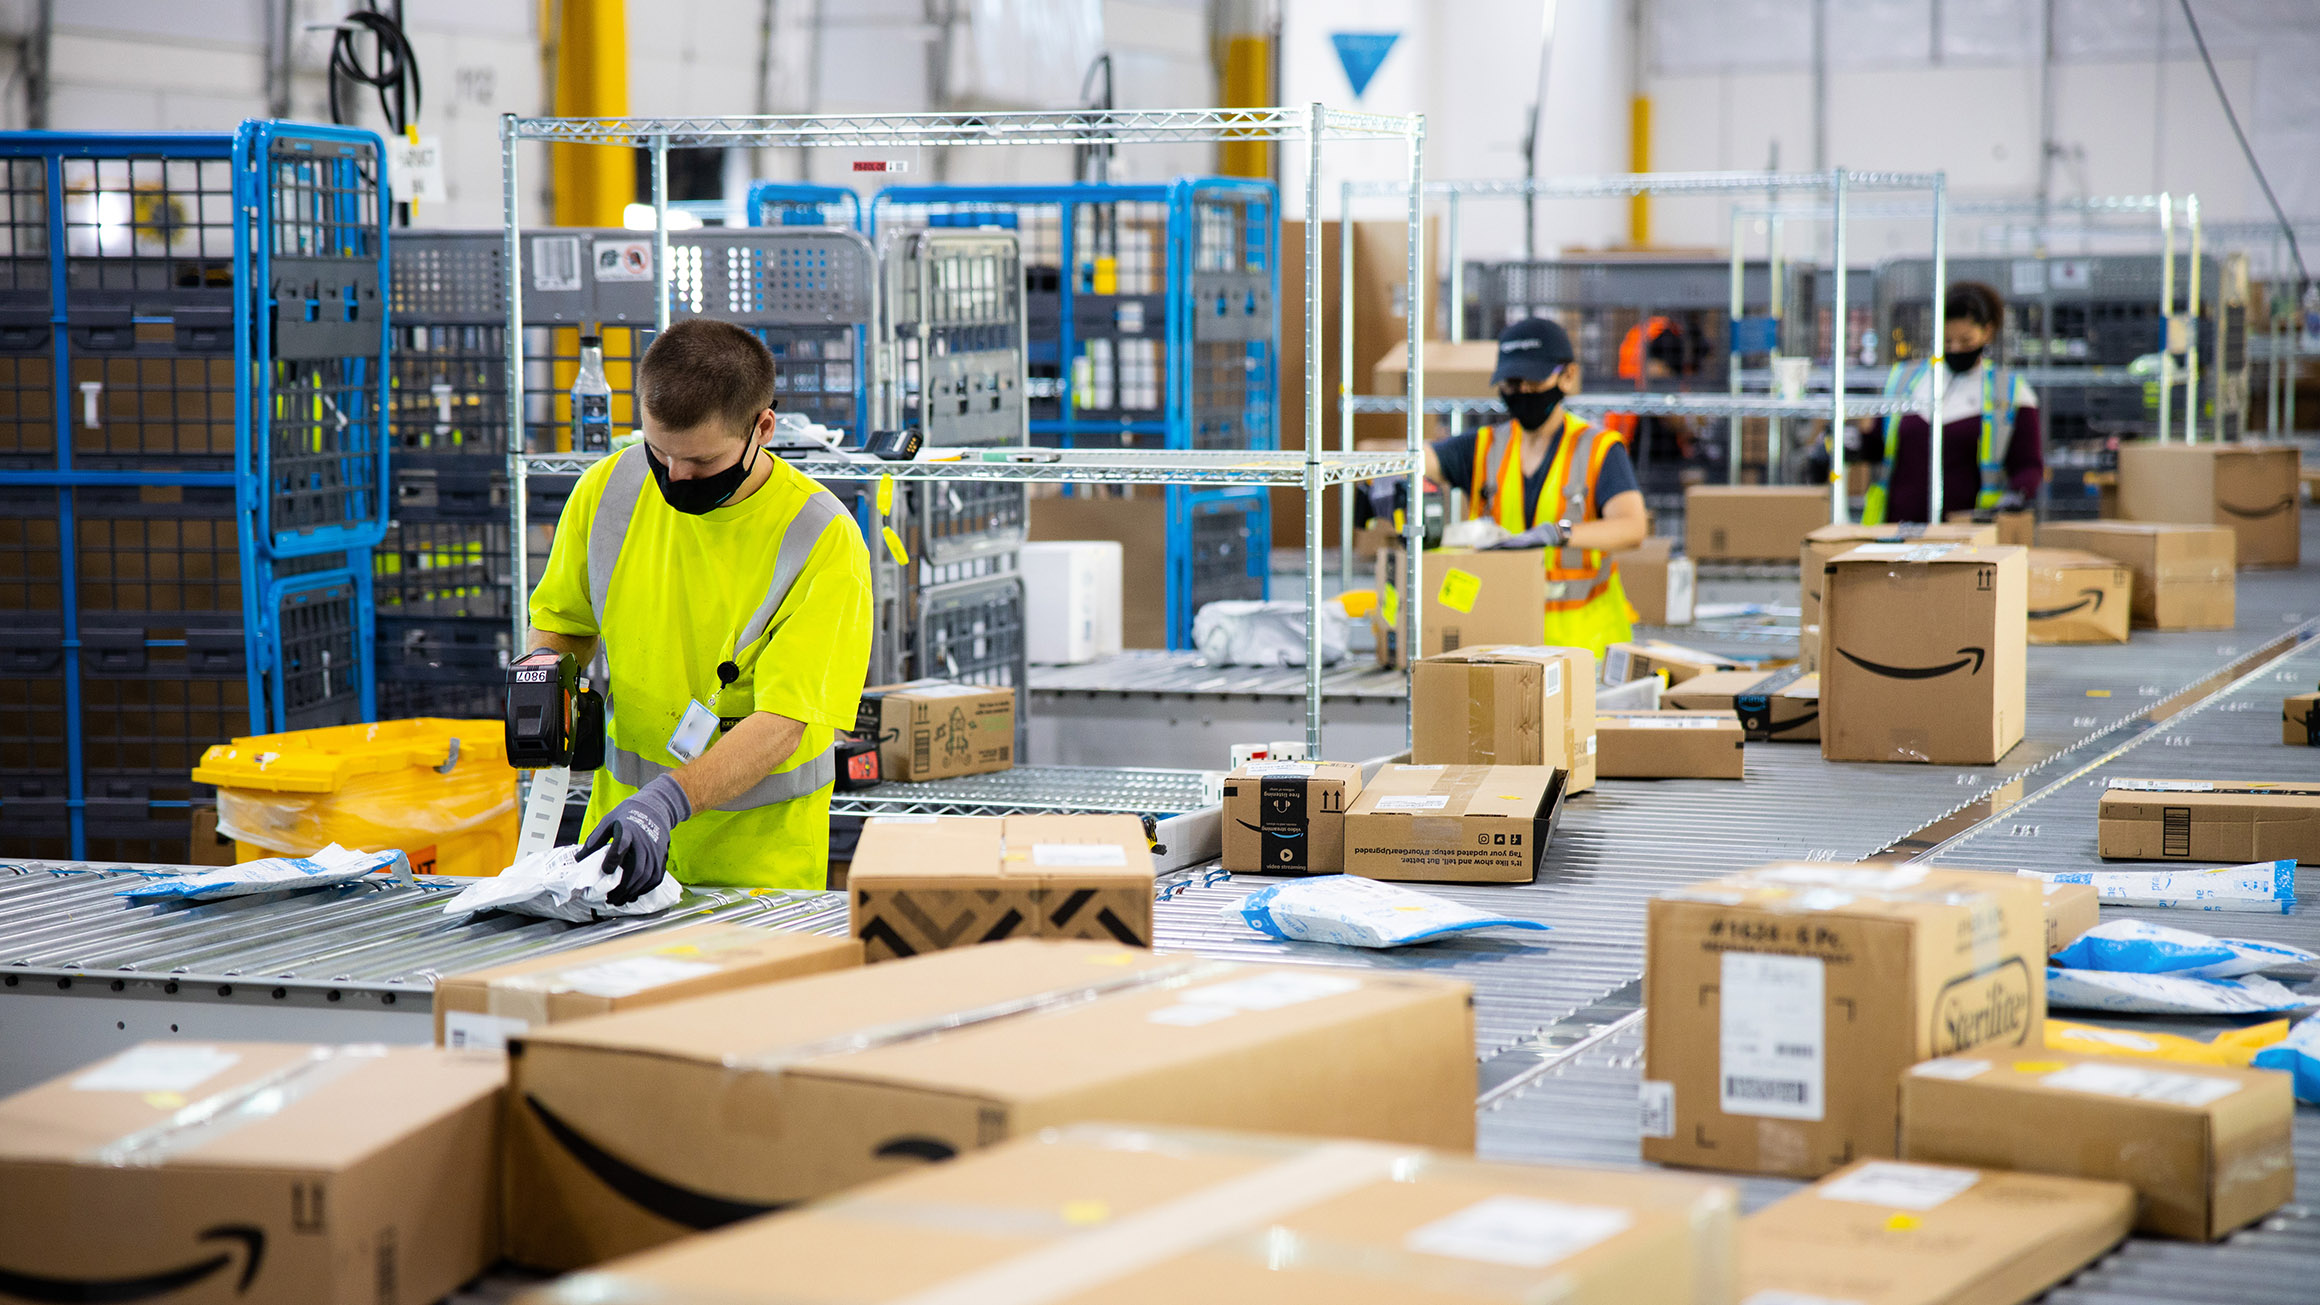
(1962, 361)
(1531, 408)
(702, 493)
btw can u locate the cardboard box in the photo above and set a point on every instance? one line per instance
(1834, 538)
(1923, 653)
(1138, 523)
(635, 1129)
(1661, 588)
(933, 729)
(1460, 370)
(2300, 719)
(1782, 706)
(1288, 817)
(206, 846)
(2251, 489)
(1786, 1002)
(1669, 745)
(1884, 1233)
(1472, 598)
(2230, 821)
(336, 1170)
(1751, 523)
(2016, 529)
(2078, 597)
(2206, 1147)
(925, 883)
(1501, 705)
(480, 1008)
(2183, 574)
(1107, 1213)
(2071, 910)
(1455, 824)
(1071, 600)
(1623, 662)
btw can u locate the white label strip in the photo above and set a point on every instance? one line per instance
(2194, 1090)
(466, 1030)
(164, 1067)
(1773, 1036)
(1522, 1231)
(1899, 1186)
(1078, 856)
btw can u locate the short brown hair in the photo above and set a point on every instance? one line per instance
(1976, 302)
(703, 370)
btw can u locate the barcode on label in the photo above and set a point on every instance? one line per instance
(1800, 1051)
(1764, 1089)
(556, 263)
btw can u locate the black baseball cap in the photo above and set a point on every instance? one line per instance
(1532, 350)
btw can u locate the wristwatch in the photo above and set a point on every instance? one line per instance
(1563, 529)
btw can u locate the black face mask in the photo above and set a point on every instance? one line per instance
(700, 494)
(1964, 360)
(1531, 408)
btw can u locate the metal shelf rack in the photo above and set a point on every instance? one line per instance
(1837, 183)
(1315, 125)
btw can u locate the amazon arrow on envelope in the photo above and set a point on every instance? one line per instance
(1925, 653)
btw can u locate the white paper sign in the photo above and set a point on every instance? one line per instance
(1278, 770)
(1900, 1186)
(1656, 1108)
(164, 1067)
(556, 264)
(1522, 1231)
(1773, 1039)
(623, 260)
(1412, 802)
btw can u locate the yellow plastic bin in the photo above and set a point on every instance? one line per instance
(438, 790)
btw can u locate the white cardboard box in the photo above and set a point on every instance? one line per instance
(1071, 598)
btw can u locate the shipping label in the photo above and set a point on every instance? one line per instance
(1773, 1038)
(1899, 1186)
(2139, 1084)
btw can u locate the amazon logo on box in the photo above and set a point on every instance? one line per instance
(1927, 658)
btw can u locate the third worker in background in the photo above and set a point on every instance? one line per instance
(1555, 480)
(1992, 452)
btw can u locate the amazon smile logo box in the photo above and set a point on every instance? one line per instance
(2251, 489)
(634, 1129)
(203, 1173)
(1924, 653)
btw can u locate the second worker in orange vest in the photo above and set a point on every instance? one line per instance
(1550, 473)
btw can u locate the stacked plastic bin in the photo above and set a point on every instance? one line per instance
(192, 354)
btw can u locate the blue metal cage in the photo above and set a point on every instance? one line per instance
(193, 359)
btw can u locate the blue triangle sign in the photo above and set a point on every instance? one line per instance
(1361, 53)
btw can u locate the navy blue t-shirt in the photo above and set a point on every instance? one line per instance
(1456, 454)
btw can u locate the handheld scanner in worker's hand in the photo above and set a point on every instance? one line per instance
(541, 687)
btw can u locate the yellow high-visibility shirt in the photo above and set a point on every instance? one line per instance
(682, 590)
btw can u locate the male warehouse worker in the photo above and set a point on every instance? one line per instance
(732, 598)
(1549, 472)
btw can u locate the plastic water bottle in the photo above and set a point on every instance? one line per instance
(591, 400)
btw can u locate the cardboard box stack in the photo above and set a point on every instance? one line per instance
(1787, 1001)
(1669, 745)
(2250, 489)
(1661, 587)
(2231, 821)
(635, 1129)
(2078, 597)
(1288, 817)
(1835, 538)
(2183, 574)
(1071, 600)
(1503, 705)
(1782, 706)
(481, 1008)
(2206, 1147)
(1885, 1233)
(1924, 654)
(2300, 719)
(1138, 523)
(926, 883)
(1457, 824)
(933, 729)
(267, 1173)
(1623, 662)
(1751, 523)
(1494, 597)
(1102, 1212)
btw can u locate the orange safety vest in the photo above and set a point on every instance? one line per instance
(1575, 576)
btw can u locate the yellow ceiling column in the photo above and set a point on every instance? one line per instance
(590, 184)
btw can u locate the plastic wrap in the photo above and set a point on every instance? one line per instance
(2168, 994)
(1241, 632)
(560, 884)
(2299, 1056)
(2132, 946)
(1356, 912)
(273, 874)
(415, 810)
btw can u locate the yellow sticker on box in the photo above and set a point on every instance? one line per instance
(1392, 606)
(1460, 589)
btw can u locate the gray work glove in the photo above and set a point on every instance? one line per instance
(637, 832)
(1546, 534)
